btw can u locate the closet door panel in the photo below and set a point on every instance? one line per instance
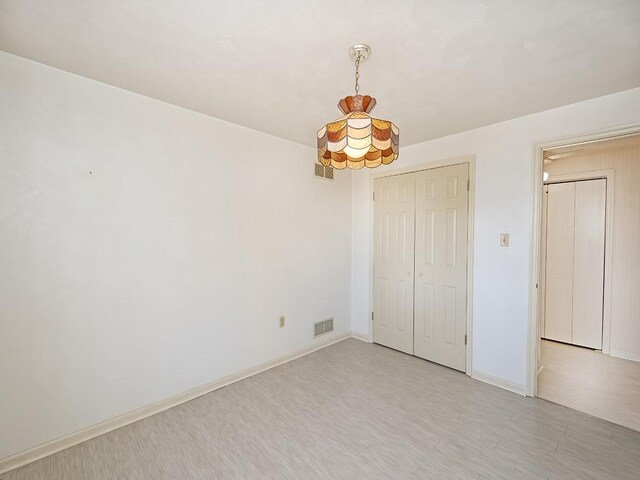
(441, 265)
(394, 248)
(559, 262)
(588, 268)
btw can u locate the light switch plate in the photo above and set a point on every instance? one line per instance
(504, 239)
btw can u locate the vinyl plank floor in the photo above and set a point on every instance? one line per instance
(356, 411)
(591, 382)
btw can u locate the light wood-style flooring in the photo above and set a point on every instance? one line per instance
(588, 381)
(355, 411)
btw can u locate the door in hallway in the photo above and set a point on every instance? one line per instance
(574, 265)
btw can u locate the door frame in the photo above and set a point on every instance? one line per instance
(470, 160)
(609, 176)
(537, 183)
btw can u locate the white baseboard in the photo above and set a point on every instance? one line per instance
(499, 382)
(31, 455)
(360, 336)
(625, 355)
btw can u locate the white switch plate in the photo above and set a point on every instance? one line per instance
(504, 239)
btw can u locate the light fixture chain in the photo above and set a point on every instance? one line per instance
(358, 56)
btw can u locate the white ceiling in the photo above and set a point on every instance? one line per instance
(280, 66)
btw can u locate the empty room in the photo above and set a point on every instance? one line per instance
(319, 240)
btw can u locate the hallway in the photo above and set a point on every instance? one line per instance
(590, 382)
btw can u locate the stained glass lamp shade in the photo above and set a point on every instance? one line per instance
(358, 140)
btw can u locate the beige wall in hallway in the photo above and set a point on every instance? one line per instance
(625, 265)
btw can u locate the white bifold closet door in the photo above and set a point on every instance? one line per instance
(574, 264)
(420, 264)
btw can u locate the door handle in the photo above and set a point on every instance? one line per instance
(419, 274)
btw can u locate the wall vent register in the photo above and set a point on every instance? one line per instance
(323, 171)
(320, 328)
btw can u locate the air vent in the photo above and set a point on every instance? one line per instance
(320, 328)
(321, 171)
(328, 173)
(328, 325)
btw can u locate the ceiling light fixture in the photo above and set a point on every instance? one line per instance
(357, 140)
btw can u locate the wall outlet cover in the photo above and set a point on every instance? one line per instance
(504, 239)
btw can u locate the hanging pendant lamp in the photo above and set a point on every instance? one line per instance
(358, 140)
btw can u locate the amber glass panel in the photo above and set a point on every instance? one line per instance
(336, 126)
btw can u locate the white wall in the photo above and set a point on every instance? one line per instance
(503, 203)
(146, 250)
(625, 261)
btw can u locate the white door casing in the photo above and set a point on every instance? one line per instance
(440, 318)
(394, 262)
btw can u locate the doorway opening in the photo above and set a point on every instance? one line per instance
(587, 332)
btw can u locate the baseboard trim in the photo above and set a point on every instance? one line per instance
(499, 382)
(360, 336)
(49, 448)
(625, 355)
